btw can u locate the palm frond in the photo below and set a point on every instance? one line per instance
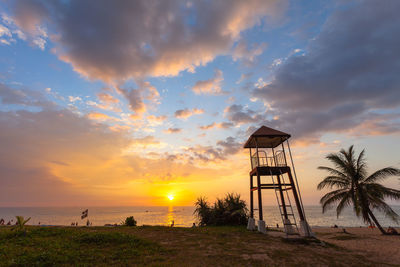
(331, 198)
(382, 174)
(351, 162)
(344, 202)
(333, 181)
(339, 161)
(384, 191)
(333, 172)
(361, 167)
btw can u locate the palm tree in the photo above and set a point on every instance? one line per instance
(354, 187)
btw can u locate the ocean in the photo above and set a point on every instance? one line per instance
(182, 216)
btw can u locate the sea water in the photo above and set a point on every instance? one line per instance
(180, 216)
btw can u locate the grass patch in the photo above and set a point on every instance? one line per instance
(72, 246)
(161, 246)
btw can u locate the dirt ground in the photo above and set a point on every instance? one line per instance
(369, 243)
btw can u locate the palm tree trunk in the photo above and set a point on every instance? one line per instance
(376, 222)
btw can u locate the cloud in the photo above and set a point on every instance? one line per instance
(147, 140)
(220, 125)
(348, 73)
(173, 130)
(143, 38)
(221, 151)
(246, 54)
(156, 120)
(135, 100)
(211, 86)
(186, 113)
(33, 146)
(107, 98)
(237, 114)
(5, 35)
(28, 15)
(63, 158)
(244, 76)
(74, 98)
(107, 102)
(23, 97)
(150, 91)
(230, 145)
(98, 116)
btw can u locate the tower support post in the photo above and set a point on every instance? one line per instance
(251, 197)
(260, 213)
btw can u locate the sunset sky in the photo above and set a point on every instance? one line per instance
(150, 102)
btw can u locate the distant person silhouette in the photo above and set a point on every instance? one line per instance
(172, 224)
(392, 231)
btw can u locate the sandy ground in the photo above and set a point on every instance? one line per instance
(367, 242)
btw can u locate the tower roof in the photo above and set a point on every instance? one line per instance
(266, 137)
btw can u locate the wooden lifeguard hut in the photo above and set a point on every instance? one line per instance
(272, 165)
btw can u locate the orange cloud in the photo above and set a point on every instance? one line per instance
(186, 113)
(221, 125)
(153, 118)
(98, 116)
(173, 130)
(107, 98)
(210, 86)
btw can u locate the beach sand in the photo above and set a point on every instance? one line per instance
(369, 243)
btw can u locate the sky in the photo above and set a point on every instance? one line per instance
(116, 103)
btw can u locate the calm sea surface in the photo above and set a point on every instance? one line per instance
(182, 216)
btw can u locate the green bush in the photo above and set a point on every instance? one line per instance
(20, 225)
(130, 221)
(230, 210)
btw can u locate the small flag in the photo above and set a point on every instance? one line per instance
(84, 214)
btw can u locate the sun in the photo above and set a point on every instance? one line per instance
(170, 197)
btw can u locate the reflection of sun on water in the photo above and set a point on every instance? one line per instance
(171, 214)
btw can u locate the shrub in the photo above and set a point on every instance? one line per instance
(130, 221)
(230, 210)
(20, 225)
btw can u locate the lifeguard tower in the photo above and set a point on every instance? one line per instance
(269, 156)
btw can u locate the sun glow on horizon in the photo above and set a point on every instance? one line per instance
(171, 197)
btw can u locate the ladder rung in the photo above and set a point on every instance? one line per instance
(282, 215)
(285, 205)
(285, 189)
(289, 224)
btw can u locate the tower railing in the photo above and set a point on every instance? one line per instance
(278, 160)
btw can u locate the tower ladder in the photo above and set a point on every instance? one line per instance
(288, 206)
